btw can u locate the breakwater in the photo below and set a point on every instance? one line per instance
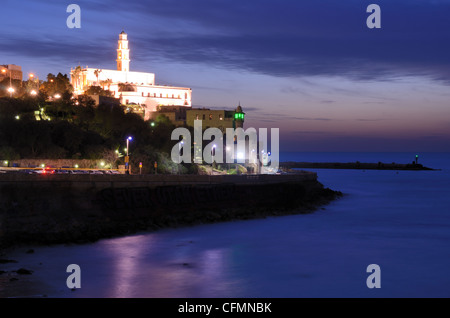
(354, 165)
(49, 209)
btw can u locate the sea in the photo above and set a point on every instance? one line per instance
(387, 237)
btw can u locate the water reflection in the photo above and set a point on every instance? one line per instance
(142, 266)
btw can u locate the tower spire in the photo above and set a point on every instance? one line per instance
(123, 53)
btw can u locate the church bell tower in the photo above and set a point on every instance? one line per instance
(123, 53)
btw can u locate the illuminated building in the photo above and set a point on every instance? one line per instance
(131, 88)
(221, 119)
(11, 70)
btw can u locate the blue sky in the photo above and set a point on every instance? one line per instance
(309, 67)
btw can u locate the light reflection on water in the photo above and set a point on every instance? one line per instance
(149, 266)
(400, 221)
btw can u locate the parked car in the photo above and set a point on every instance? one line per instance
(46, 170)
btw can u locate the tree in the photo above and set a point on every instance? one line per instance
(84, 101)
(97, 90)
(58, 84)
(107, 82)
(110, 156)
(97, 73)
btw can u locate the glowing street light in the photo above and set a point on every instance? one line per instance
(127, 159)
(213, 151)
(57, 96)
(128, 143)
(10, 89)
(33, 93)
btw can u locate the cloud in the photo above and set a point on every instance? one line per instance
(294, 38)
(283, 39)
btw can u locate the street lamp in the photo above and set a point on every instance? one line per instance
(128, 143)
(213, 152)
(10, 83)
(127, 159)
(33, 93)
(11, 91)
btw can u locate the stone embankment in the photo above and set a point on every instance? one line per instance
(52, 209)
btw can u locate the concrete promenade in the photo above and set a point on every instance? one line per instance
(113, 181)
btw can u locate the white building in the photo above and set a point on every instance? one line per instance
(130, 87)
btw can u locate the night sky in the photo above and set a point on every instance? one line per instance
(309, 67)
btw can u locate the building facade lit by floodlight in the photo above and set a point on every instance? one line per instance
(131, 88)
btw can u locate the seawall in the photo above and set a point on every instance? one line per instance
(50, 209)
(354, 165)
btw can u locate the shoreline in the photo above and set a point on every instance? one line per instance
(63, 210)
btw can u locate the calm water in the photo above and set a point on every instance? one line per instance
(398, 220)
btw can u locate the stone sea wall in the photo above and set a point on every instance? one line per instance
(50, 209)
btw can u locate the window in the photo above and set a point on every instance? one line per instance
(204, 116)
(210, 116)
(197, 117)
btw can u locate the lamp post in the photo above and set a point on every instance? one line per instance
(4, 72)
(33, 81)
(179, 155)
(127, 159)
(213, 152)
(10, 89)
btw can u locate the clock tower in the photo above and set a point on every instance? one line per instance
(123, 53)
